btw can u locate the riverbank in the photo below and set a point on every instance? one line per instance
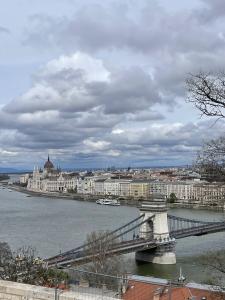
(68, 196)
(93, 198)
(196, 206)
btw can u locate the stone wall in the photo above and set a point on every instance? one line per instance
(18, 291)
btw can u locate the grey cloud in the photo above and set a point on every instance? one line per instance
(173, 44)
(171, 76)
(130, 91)
(212, 10)
(4, 30)
(64, 136)
(67, 89)
(150, 30)
(169, 137)
(47, 123)
(145, 115)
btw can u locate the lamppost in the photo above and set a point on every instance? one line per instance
(57, 290)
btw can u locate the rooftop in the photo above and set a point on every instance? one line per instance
(48, 164)
(145, 288)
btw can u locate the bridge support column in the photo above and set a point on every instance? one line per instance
(156, 229)
(163, 254)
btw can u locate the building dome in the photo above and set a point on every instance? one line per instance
(48, 164)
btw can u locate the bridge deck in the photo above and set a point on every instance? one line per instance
(121, 248)
(200, 230)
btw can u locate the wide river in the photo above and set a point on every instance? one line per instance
(54, 225)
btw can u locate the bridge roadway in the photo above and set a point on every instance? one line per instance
(82, 254)
(198, 230)
(121, 248)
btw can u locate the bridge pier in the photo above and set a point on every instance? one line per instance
(156, 229)
(163, 254)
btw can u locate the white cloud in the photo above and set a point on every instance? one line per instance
(93, 68)
(7, 153)
(96, 145)
(114, 153)
(117, 131)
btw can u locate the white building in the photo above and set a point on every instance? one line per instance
(99, 186)
(24, 178)
(182, 190)
(125, 188)
(51, 180)
(158, 187)
(211, 194)
(85, 185)
(112, 187)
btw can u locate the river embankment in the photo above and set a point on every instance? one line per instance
(92, 198)
(220, 208)
(69, 196)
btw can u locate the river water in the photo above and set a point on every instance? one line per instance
(54, 225)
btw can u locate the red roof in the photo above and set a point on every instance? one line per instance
(138, 290)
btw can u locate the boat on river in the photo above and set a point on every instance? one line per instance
(112, 202)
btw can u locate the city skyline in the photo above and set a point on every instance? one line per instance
(99, 84)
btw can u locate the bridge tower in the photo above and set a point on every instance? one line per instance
(156, 229)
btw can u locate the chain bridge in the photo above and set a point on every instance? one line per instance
(152, 236)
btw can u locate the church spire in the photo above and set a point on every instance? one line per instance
(48, 164)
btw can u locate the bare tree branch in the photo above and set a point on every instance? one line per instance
(210, 161)
(100, 243)
(215, 262)
(207, 92)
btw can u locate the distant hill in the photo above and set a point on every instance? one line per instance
(4, 177)
(12, 171)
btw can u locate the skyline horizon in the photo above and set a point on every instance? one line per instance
(13, 170)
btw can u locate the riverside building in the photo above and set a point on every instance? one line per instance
(51, 179)
(191, 191)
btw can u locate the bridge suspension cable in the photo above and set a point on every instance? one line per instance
(110, 236)
(178, 223)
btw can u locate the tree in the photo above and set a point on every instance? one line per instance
(207, 92)
(53, 277)
(98, 245)
(172, 198)
(210, 162)
(24, 266)
(72, 191)
(19, 266)
(215, 263)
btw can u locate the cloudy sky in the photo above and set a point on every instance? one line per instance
(97, 83)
